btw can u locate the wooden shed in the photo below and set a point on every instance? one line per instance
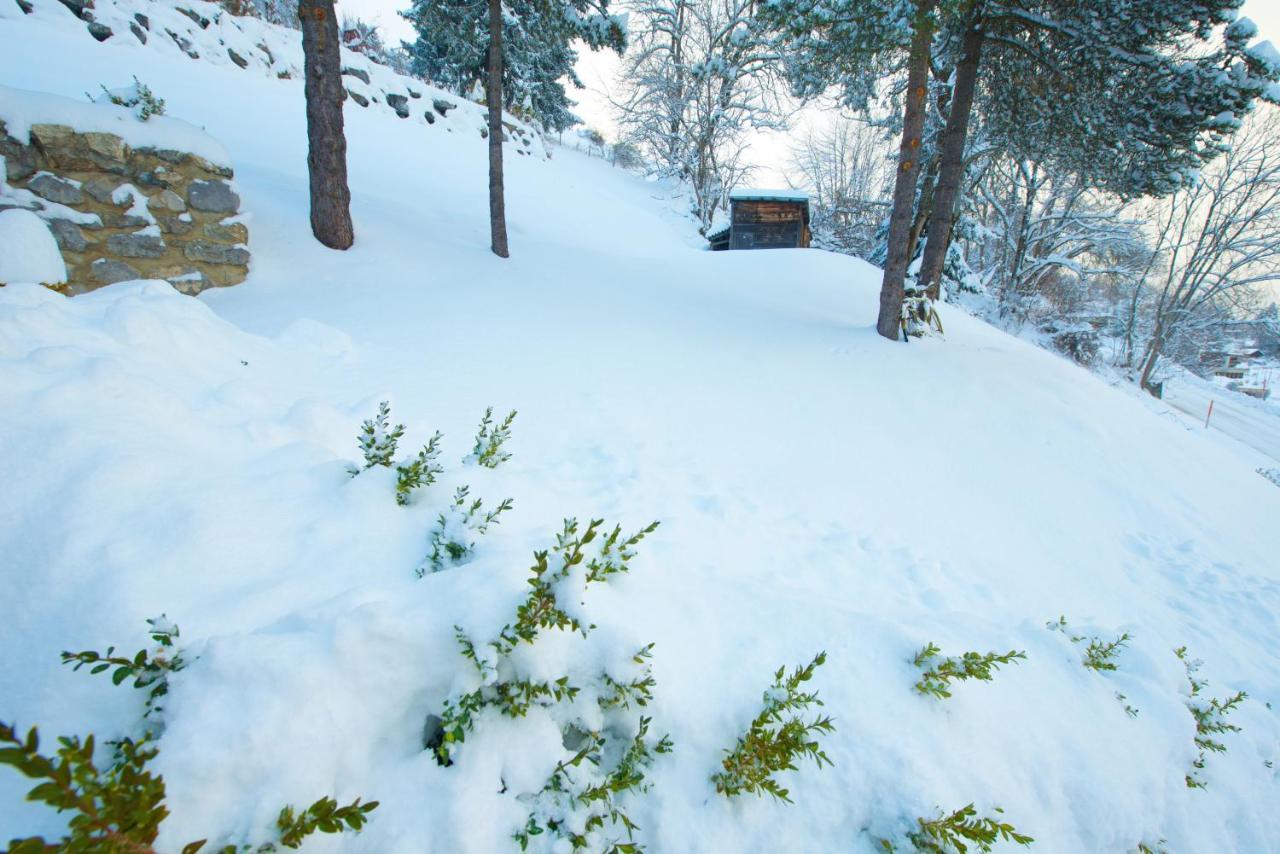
(764, 219)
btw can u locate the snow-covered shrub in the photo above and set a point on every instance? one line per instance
(605, 745)
(1272, 475)
(955, 832)
(1210, 718)
(420, 471)
(137, 97)
(146, 670)
(454, 537)
(488, 450)
(1099, 654)
(776, 738)
(378, 440)
(121, 807)
(971, 665)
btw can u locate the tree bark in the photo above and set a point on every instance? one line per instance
(326, 142)
(951, 170)
(493, 94)
(1152, 356)
(904, 190)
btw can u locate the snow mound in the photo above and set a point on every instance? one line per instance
(28, 250)
(20, 109)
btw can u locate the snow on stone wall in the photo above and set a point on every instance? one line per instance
(122, 207)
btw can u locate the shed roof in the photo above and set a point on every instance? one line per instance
(761, 195)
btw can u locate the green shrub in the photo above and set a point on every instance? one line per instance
(942, 672)
(488, 451)
(1099, 655)
(776, 738)
(1210, 718)
(457, 529)
(146, 670)
(420, 471)
(582, 802)
(955, 832)
(378, 439)
(142, 100)
(120, 808)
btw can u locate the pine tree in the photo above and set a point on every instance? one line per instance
(1133, 97)
(326, 141)
(521, 49)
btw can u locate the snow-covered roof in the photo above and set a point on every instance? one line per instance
(720, 225)
(761, 195)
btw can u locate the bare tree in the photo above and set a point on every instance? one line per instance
(698, 81)
(846, 167)
(1041, 236)
(1222, 241)
(326, 142)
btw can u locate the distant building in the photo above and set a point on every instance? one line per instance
(764, 219)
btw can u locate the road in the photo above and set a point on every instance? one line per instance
(1241, 421)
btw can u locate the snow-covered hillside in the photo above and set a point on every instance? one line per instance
(818, 488)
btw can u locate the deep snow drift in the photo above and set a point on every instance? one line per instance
(818, 488)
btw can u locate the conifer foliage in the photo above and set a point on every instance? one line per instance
(777, 737)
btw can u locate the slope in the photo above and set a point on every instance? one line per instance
(818, 488)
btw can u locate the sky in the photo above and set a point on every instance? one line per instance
(599, 70)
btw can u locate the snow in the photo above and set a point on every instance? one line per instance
(1266, 53)
(770, 195)
(20, 109)
(28, 251)
(818, 487)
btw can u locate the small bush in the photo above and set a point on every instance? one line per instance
(1210, 718)
(138, 98)
(454, 537)
(776, 738)
(955, 832)
(120, 808)
(1099, 655)
(420, 471)
(378, 440)
(606, 752)
(146, 670)
(488, 450)
(971, 665)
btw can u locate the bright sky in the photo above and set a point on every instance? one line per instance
(598, 70)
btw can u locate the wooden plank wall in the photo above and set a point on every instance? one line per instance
(769, 225)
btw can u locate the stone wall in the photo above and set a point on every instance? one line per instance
(127, 213)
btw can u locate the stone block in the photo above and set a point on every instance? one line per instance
(213, 196)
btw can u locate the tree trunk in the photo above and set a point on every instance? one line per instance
(1152, 356)
(904, 190)
(927, 183)
(951, 169)
(493, 94)
(326, 142)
